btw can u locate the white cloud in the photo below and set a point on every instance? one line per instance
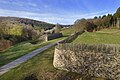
(49, 17)
(90, 15)
(19, 3)
(32, 4)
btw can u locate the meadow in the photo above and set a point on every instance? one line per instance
(105, 36)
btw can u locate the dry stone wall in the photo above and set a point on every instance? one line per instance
(72, 37)
(93, 60)
(47, 37)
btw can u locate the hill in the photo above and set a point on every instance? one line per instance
(14, 30)
(27, 21)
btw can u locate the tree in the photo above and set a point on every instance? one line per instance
(117, 14)
(42, 31)
(84, 24)
(103, 16)
(80, 24)
(57, 28)
(95, 17)
(106, 21)
(99, 16)
(7, 28)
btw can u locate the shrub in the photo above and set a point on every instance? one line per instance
(4, 44)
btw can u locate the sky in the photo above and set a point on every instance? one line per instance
(57, 11)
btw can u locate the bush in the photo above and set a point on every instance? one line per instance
(4, 44)
(35, 41)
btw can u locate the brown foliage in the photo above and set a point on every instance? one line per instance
(4, 44)
(84, 24)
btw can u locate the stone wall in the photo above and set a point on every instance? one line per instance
(93, 60)
(47, 37)
(54, 36)
(72, 37)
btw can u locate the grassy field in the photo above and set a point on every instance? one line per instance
(68, 31)
(106, 36)
(21, 49)
(41, 67)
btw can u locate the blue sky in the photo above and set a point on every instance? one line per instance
(57, 11)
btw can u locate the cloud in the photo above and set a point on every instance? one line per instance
(32, 4)
(18, 3)
(90, 15)
(50, 17)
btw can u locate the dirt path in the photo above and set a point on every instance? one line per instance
(24, 58)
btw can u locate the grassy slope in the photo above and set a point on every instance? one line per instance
(68, 31)
(111, 36)
(20, 50)
(41, 67)
(23, 48)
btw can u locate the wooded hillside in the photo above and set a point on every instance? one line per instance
(98, 22)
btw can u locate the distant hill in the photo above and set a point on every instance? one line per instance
(33, 23)
(26, 21)
(14, 30)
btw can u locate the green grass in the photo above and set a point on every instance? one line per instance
(21, 49)
(41, 67)
(106, 36)
(68, 31)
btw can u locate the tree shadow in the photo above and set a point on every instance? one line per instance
(31, 77)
